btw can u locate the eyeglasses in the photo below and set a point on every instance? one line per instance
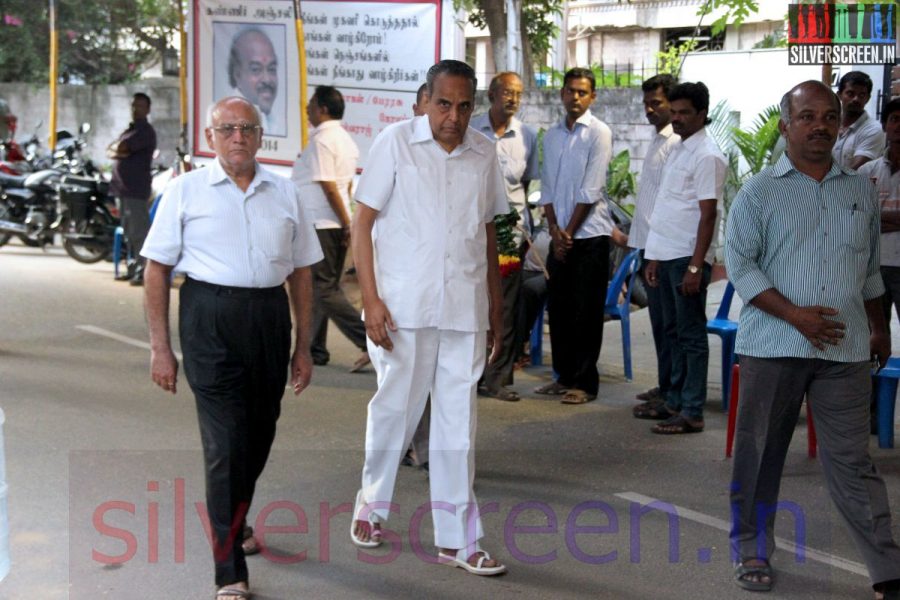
(228, 130)
(511, 95)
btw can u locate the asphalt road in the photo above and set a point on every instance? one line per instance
(106, 483)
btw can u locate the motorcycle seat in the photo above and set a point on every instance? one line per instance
(12, 181)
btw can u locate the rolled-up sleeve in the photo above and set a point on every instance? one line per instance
(874, 284)
(743, 247)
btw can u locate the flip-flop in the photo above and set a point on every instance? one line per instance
(675, 425)
(551, 389)
(477, 568)
(575, 396)
(375, 537)
(231, 591)
(741, 570)
(361, 363)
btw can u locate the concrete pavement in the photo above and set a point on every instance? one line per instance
(106, 482)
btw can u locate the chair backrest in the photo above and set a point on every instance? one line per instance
(725, 306)
(629, 266)
(154, 206)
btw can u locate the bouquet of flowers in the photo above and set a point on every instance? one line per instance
(507, 249)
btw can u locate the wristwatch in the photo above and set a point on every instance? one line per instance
(693, 270)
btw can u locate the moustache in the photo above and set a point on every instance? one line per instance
(266, 87)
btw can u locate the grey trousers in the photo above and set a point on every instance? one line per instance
(771, 392)
(329, 299)
(500, 373)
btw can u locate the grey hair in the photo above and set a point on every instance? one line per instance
(211, 109)
(785, 104)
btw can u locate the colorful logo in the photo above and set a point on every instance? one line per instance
(842, 34)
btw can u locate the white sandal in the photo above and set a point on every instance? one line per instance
(477, 568)
(375, 537)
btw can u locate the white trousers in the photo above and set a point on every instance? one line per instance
(446, 364)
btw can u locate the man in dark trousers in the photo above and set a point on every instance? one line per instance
(133, 152)
(238, 234)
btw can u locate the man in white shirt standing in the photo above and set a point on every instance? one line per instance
(656, 107)
(237, 232)
(323, 175)
(681, 249)
(860, 139)
(430, 289)
(577, 151)
(517, 151)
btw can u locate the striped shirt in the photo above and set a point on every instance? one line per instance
(817, 243)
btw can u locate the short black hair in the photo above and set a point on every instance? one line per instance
(580, 73)
(696, 93)
(891, 107)
(664, 81)
(142, 96)
(421, 92)
(450, 67)
(331, 98)
(855, 78)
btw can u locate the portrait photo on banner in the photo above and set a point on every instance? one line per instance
(250, 60)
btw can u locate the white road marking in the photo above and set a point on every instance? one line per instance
(722, 525)
(118, 337)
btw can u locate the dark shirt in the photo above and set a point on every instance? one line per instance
(131, 174)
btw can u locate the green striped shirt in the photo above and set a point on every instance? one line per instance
(817, 243)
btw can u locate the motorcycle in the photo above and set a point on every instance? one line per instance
(70, 199)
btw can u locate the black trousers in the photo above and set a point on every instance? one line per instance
(236, 345)
(330, 301)
(576, 296)
(136, 223)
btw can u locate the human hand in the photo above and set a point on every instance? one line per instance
(378, 322)
(495, 334)
(164, 369)
(301, 370)
(880, 347)
(651, 273)
(811, 321)
(690, 283)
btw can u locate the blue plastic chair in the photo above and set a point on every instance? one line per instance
(119, 238)
(727, 330)
(622, 312)
(886, 392)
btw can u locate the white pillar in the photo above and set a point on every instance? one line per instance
(513, 37)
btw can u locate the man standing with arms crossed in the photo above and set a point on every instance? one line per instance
(680, 248)
(238, 233)
(133, 153)
(659, 114)
(428, 197)
(802, 246)
(517, 151)
(577, 151)
(323, 174)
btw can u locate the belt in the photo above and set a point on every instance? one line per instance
(238, 292)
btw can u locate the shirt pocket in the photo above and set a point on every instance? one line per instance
(855, 232)
(272, 236)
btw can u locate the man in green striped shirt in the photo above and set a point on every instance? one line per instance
(802, 247)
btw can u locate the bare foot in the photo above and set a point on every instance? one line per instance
(365, 531)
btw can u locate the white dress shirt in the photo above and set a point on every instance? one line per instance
(430, 238)
(887, 188)
(695, 171)
(330, 155)
(575, 165)
(663, 142)
(864, 138)
(212, 231)
(517, 152)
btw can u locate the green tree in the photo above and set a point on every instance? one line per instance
(537, 30)
(100, 41)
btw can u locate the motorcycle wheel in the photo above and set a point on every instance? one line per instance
(4, 214)
(94, 250)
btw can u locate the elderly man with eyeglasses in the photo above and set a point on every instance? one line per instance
(238, 234)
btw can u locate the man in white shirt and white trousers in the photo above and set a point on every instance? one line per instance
(431, 290)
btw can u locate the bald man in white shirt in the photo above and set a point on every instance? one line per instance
(238, 234)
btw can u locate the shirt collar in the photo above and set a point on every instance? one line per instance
(863, 118)
(422, 133)
(485, 126)
(217, 175)
(584, 119)
(696, 139)
(785, 166)
(329, 124)
(666, 131)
